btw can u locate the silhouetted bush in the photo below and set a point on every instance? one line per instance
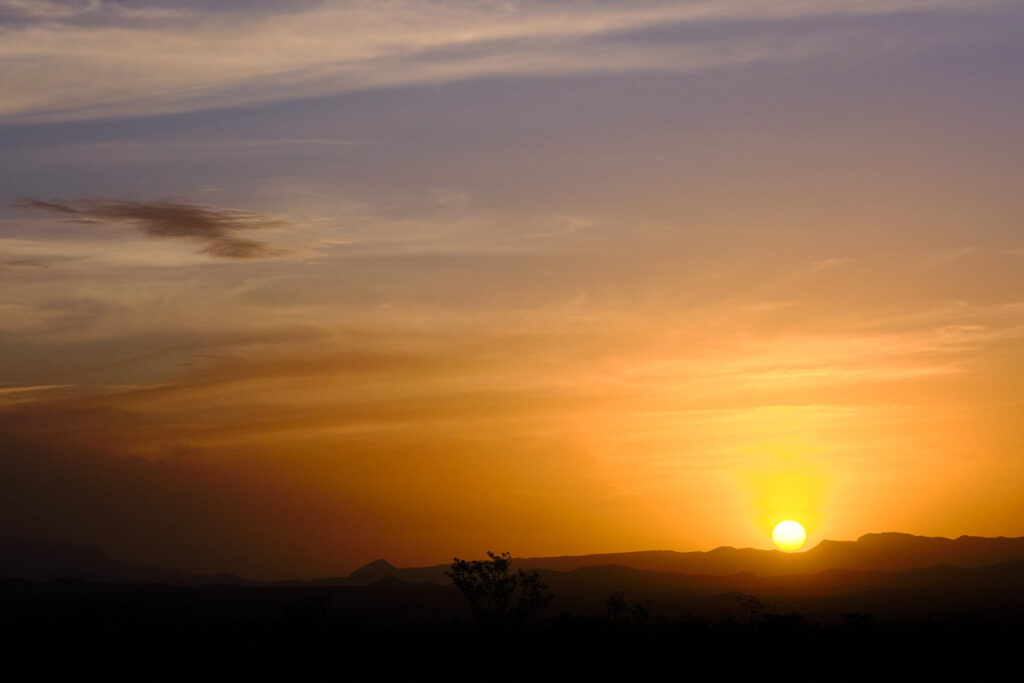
(497, 595)
(619, 612)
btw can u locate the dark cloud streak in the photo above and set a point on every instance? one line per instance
(23, 263)
(215, 227)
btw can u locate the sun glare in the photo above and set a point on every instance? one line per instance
(788, 535)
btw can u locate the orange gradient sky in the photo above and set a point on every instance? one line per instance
(285, 292)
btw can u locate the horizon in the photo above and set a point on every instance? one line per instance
(284, 289)
(531, 560)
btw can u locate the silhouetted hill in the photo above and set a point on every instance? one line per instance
(22, 558)
(378, 569)
(893, 552)
(878, 553)
(375, 571)
(883, 552)
(915, 596)
(396, 608)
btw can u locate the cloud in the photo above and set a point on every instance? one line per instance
(22, 263)
(214, 227)
(158, 60)
(47, 9)
(73, 10)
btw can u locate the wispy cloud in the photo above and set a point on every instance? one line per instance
(47, 9)
(134, 150)
(214, 227)
(161, 59)
(23, 263)
(41, 387)
(71, 10)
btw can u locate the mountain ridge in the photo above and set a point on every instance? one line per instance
(880, 551)
(886, 552)
(36, 559)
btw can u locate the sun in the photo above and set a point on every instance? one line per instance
(788, 535)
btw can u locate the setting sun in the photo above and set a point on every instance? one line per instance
(788, 535)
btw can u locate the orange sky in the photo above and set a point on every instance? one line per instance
(552, 279)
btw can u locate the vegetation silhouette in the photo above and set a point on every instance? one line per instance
(621, 613)
(498, 596)
(604, 612)
(750, 606)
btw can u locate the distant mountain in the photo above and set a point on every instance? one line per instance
(893, 552)
(22, 558)
(381, 569)
(994, 592)
(879, 578)
(369, 574)
(749, 568)
(884, 552)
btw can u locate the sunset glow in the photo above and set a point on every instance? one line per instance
(284, 292)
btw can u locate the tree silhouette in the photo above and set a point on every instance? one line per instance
(497, 596)
(619, 612)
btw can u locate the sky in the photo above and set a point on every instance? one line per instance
(287, 290)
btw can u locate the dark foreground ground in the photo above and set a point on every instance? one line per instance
(392, 630)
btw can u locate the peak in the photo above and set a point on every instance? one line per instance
(378, 564)
(378, 569)
(886, 536)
